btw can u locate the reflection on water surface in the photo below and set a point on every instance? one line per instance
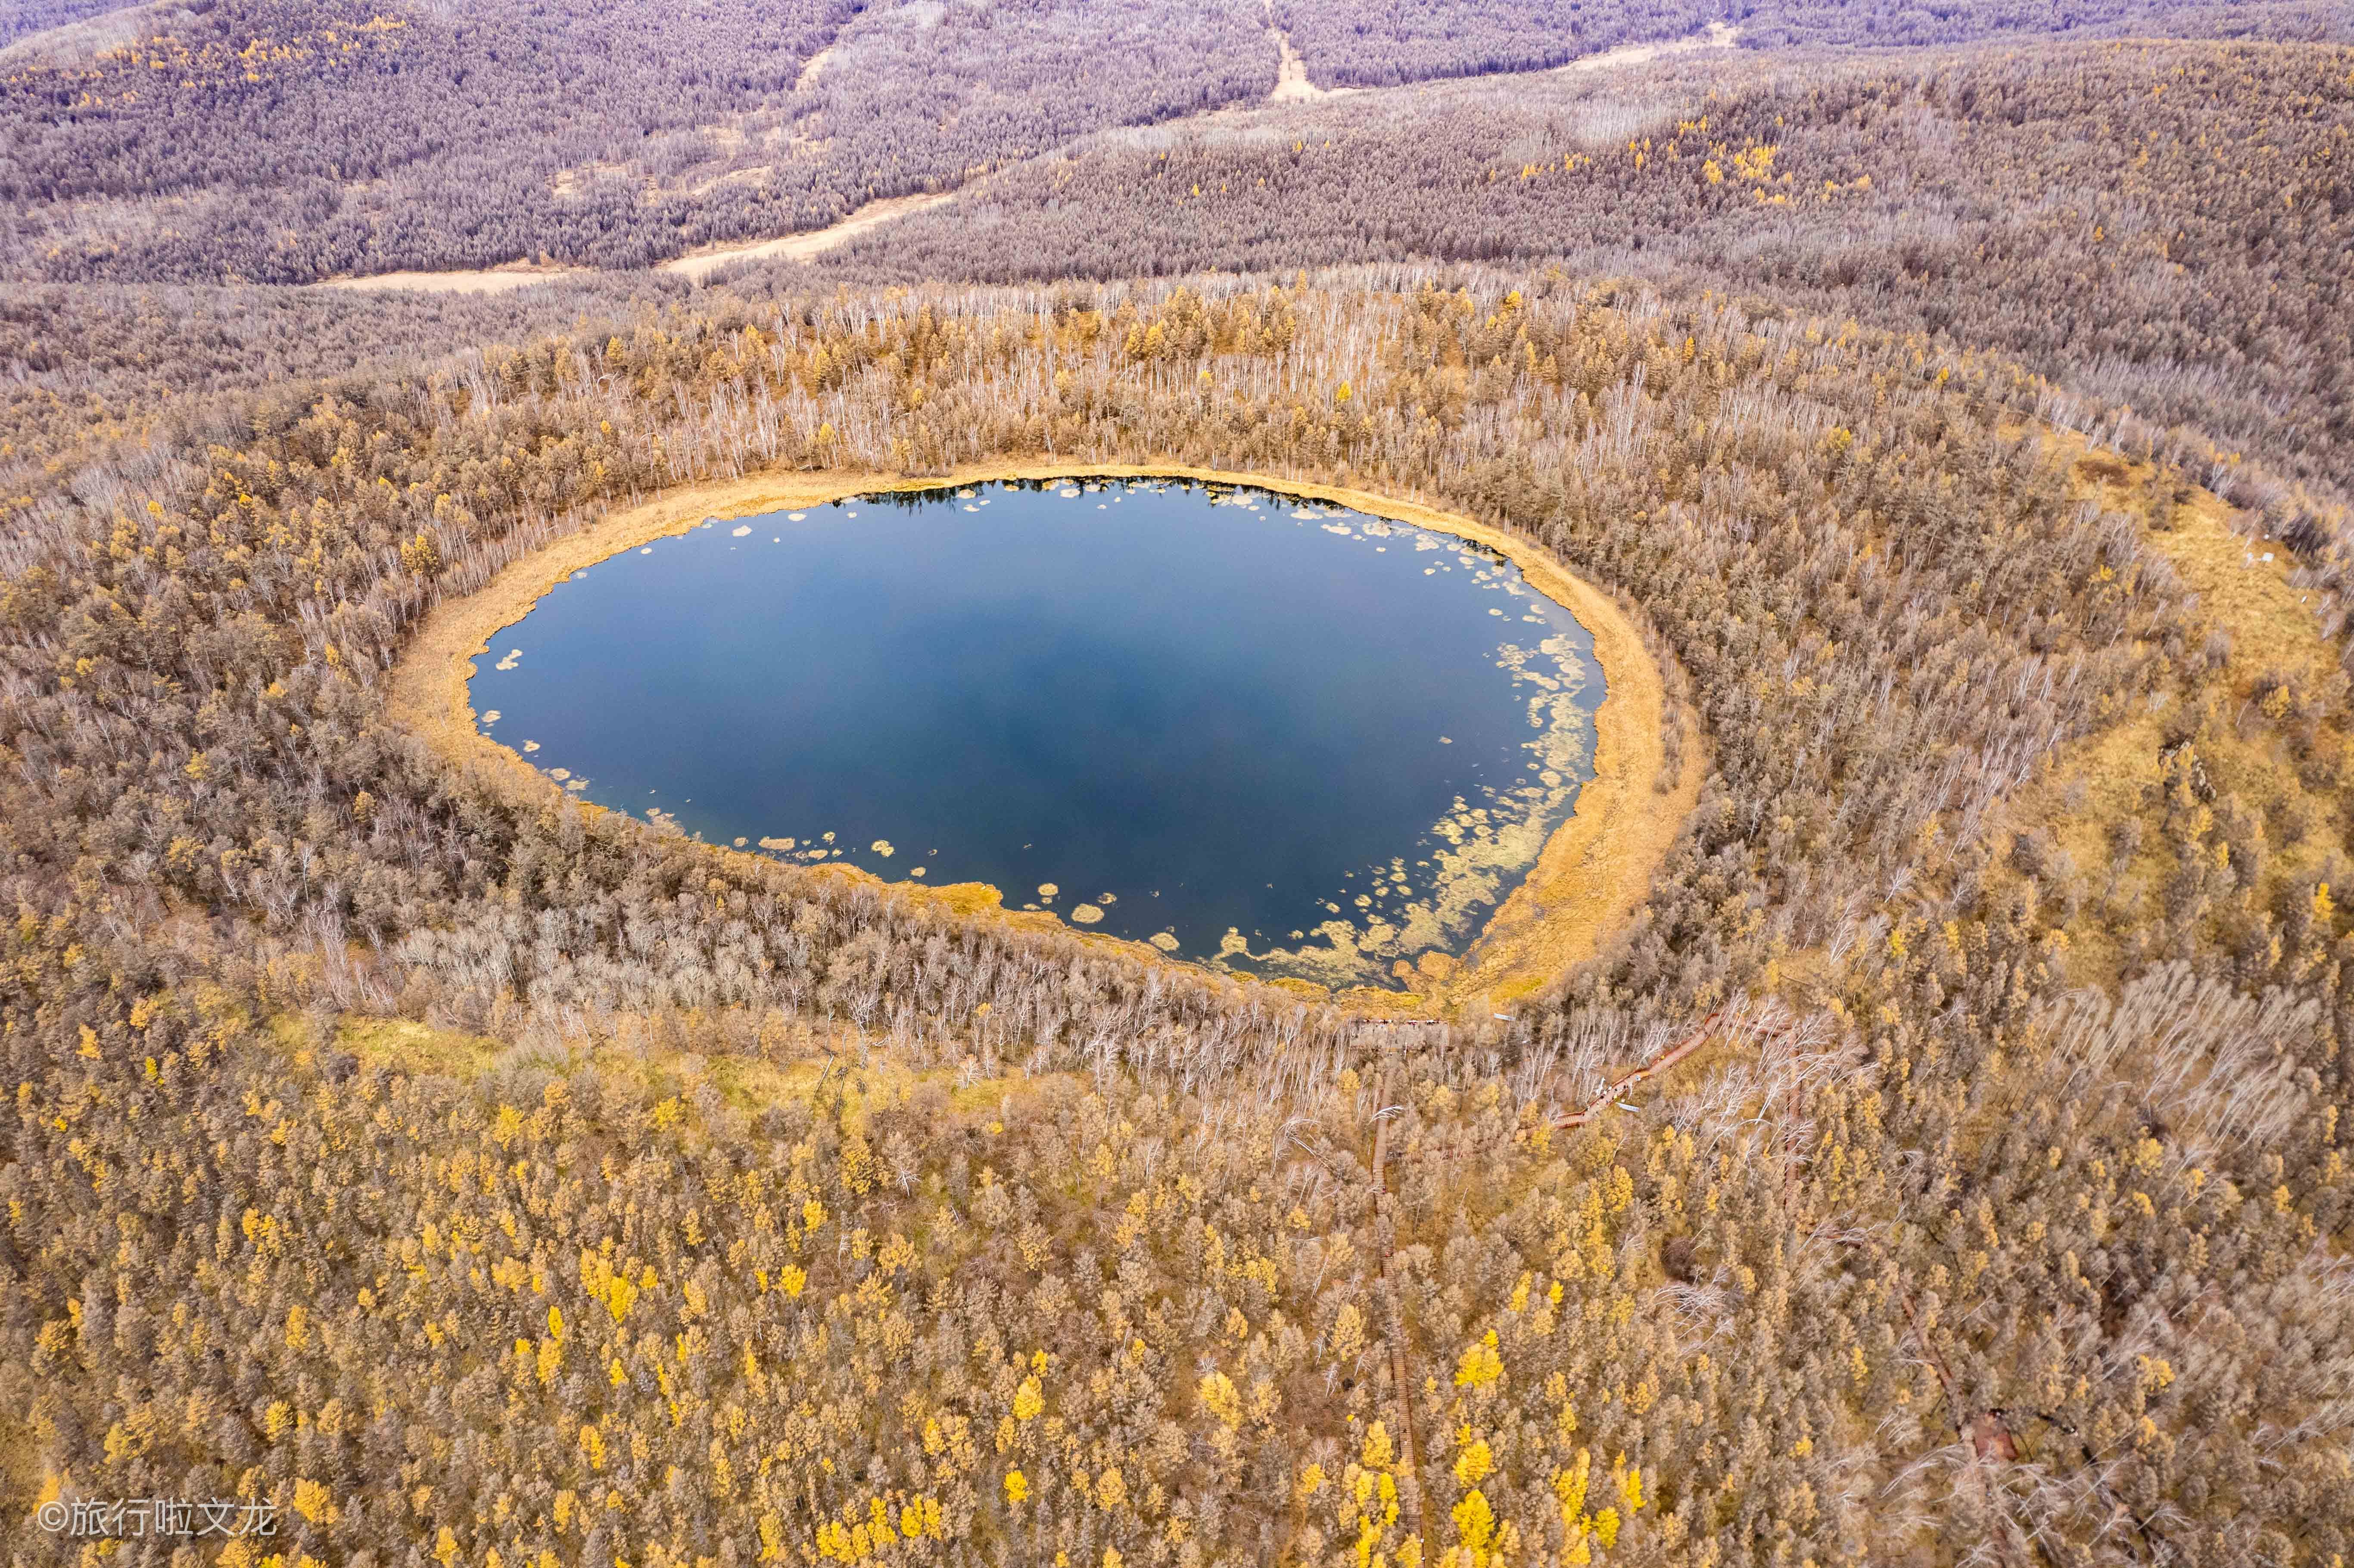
(1273, 734)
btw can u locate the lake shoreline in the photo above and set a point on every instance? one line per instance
(1593, 873)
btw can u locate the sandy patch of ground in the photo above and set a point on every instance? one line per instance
(1594, 873)
(801, 247)
(1291, 83)
(572, 182)
(1715, 36)
(815, 63)
(757, 174)
(701, 265)
(491, 280)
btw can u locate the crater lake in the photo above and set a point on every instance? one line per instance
(1267, 734)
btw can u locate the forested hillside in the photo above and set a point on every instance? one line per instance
(281, 142)
(266, 140)
(1395, 41)
(32, 16)
(478, 1179)
(763, 1317)
(1890, 23)
(2164, 224)
(91, 368)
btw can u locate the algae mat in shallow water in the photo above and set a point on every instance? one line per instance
(1270, 733)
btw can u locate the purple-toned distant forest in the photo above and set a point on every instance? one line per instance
(269, 141)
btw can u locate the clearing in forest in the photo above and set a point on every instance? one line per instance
(1715, 36)
(801, 247)
(483, 280)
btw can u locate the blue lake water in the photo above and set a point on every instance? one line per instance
(1267, 734)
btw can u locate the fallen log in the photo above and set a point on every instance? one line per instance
(1654, 1067)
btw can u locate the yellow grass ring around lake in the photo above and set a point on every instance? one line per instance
(1590, 877)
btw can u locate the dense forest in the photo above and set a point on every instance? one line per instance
(1396, 42)
(2192, 266)
(1416, 40)
(281, 142)
(268, 141)
(1886, 23)
(616, 1312)
(475, 1177)
(90, 368)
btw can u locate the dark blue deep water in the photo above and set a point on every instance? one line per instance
(1250, 729)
